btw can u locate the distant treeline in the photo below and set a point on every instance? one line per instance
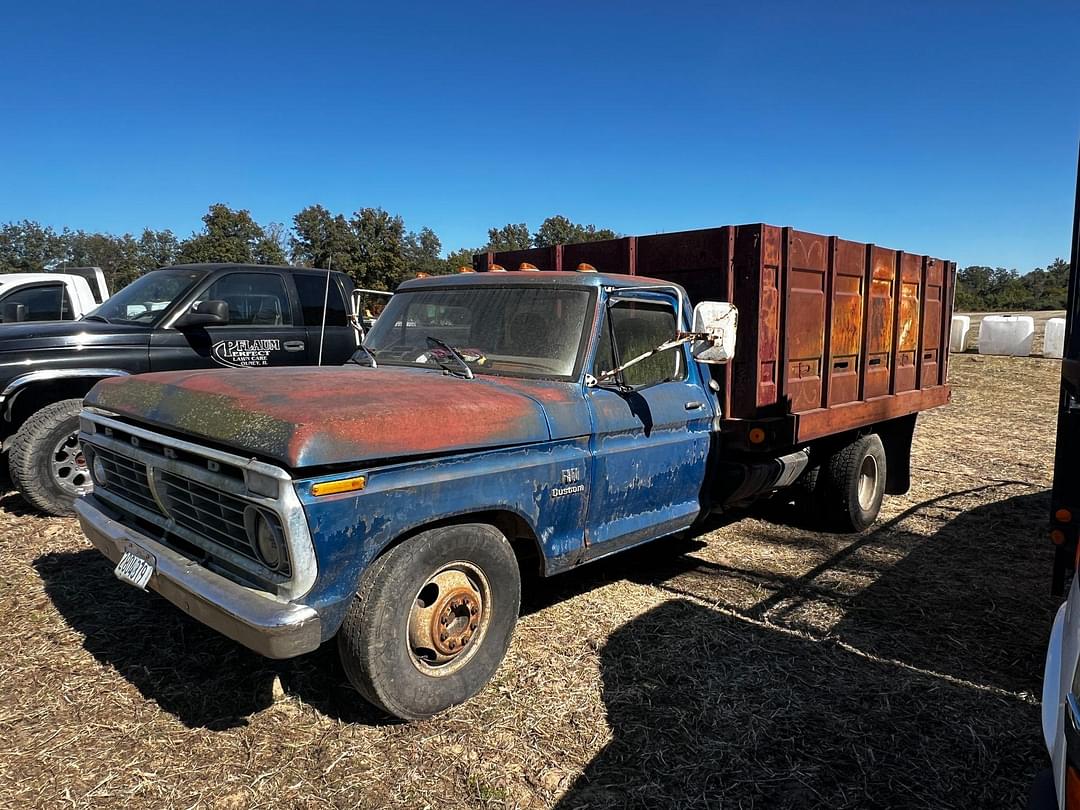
(995, 289)
(377, 250)
(373, 246)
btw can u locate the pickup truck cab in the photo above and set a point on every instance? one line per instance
(491, 422)
(183, 317)
(64, 295)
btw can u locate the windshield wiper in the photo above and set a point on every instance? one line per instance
(96, 318)
(432, 341)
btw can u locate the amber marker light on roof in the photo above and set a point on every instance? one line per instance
(585, 267)
(527, 266)
(496, 268)
(464, 269)
(353, 484)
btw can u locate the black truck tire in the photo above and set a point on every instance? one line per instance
(46, 462)
(432, 620)
(852, 484)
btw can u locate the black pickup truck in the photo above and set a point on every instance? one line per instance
(183, 317)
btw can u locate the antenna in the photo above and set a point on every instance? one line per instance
(325, 301)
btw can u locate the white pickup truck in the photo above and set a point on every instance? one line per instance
(65, 294)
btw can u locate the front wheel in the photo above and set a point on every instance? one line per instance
(432, 620)
(46, 462)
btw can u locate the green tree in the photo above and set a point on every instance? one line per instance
(119, 257)
(29, 247)
(559, 230)
(509, 237)
(423, 253)
(322, 239)
(380, 242)
(231, 236)
(157, 249)
(462, 257)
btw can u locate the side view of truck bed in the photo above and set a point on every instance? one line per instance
(833, 334)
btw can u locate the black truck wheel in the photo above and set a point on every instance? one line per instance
(852, 484)
(46, 462)
(432, 620)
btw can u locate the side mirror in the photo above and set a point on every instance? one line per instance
(12, 313)
(205, 313)
(717, 321)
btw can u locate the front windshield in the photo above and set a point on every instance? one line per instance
(146, 299)
(512, 330)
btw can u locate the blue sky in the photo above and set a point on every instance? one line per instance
(944, 128)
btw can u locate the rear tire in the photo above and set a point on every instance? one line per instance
(432, 620)
(852, 484)
(46, 463)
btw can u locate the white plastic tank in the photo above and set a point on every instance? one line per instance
(1054, 338)
(1006, 334)
(961, 325)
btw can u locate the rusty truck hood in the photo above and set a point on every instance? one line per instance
(304, 417)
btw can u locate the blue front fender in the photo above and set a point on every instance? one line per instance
(544, 484)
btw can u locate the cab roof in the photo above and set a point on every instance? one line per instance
(210, 267)
(543, 277)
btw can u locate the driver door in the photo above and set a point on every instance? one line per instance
(651, 436)
(263, 330)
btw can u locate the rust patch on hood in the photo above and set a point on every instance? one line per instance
(316, 416)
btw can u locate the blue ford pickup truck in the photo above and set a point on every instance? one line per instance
(491, 422)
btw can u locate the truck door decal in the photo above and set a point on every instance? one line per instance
(244, 352)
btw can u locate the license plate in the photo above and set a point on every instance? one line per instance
(135, 568)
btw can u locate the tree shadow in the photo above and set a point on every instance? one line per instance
(191, 671)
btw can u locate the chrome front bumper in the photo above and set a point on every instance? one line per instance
(269, 627)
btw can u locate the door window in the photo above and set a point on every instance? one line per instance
(254, 299)
(312, 289)
(638, 327)
(45, 302)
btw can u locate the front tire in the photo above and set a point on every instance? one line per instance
(432, 620)
(46, 463)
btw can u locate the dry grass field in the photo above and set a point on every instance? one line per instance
(757, 664)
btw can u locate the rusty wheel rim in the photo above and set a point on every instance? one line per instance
(449, 619)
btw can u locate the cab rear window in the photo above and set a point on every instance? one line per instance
(312, 288)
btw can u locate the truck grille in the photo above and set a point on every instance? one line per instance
(201, 510)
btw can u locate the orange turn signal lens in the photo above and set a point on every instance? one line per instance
(757, 436)
(354, 484)
(1063, 515)
(1057, 537)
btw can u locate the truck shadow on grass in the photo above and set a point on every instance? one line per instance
(190, 671)
(924, 693)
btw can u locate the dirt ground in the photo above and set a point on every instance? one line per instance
(758, 664)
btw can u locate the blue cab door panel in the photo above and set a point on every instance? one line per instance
(649, 456)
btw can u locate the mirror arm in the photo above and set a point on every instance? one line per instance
(680, 339)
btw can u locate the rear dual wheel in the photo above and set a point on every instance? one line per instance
(432, 620)
(849, 485)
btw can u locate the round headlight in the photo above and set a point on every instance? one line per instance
(267, 540)
(98, 469)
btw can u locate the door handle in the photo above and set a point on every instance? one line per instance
(294, 345)
(693, 406)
